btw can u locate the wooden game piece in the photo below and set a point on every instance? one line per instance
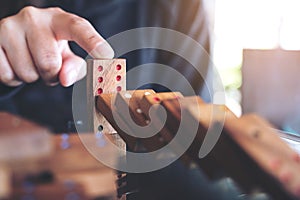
(207, 115)
(23, 145)
(238, 148)
(34, 140)
(153, 101)
(247, 150)
(103, 76)
(141, 121)
(50, 191)
(5, 182)
(130, 101)
(126, 102)
(257, 138)
(105, 106)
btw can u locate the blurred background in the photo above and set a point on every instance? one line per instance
(256, 47)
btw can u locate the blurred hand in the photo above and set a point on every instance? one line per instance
(34, 44)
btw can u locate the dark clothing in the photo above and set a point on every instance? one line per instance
(52, 106)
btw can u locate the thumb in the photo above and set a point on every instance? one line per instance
(73, 69)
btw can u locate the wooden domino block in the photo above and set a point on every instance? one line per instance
(205, 114)
(165, 136)
(276, 164)
(103, 76)
(129, 102)
(246, 150)
(195, 116)
(175, 107)
(131, 111)
(50, 191)
(153, 101)
(5, 182)
(18, 133)
(105, 106)
(125, 108)
(149, 101)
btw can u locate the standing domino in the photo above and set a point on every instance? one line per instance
(103, 76)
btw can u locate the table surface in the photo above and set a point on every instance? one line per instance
(68, 160)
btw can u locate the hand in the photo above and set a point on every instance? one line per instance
(34, 44)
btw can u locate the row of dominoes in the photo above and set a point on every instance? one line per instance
(247, 148)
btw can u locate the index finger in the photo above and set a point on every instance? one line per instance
(70, 27)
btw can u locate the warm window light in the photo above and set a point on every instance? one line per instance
(289, 26)
(252, 24)
(256, 24)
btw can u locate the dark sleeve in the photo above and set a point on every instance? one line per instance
(7, 92)
(6, 98)
(6, 8)
(189, 19)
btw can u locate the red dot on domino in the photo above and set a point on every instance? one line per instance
(118, 67)
(156, 99)
(119, 88)
(100, 79)
(118, 78)
(100, 91)
(100, 68)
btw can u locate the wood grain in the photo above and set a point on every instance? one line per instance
(68, 161)
(245, 150)
(103, 76)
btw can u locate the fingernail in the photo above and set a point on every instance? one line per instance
(10, 79)
(15, 83)
(103, 50)
(53, 82)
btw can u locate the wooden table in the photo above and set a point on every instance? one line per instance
(66, 161)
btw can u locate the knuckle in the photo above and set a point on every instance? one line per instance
(49, 65)
(75, 23)
(75, 20)
(30, 77)
(6, 24)
(28, 11)
(29, 14)
(55, 9)
(94, 39)
(7, 78)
